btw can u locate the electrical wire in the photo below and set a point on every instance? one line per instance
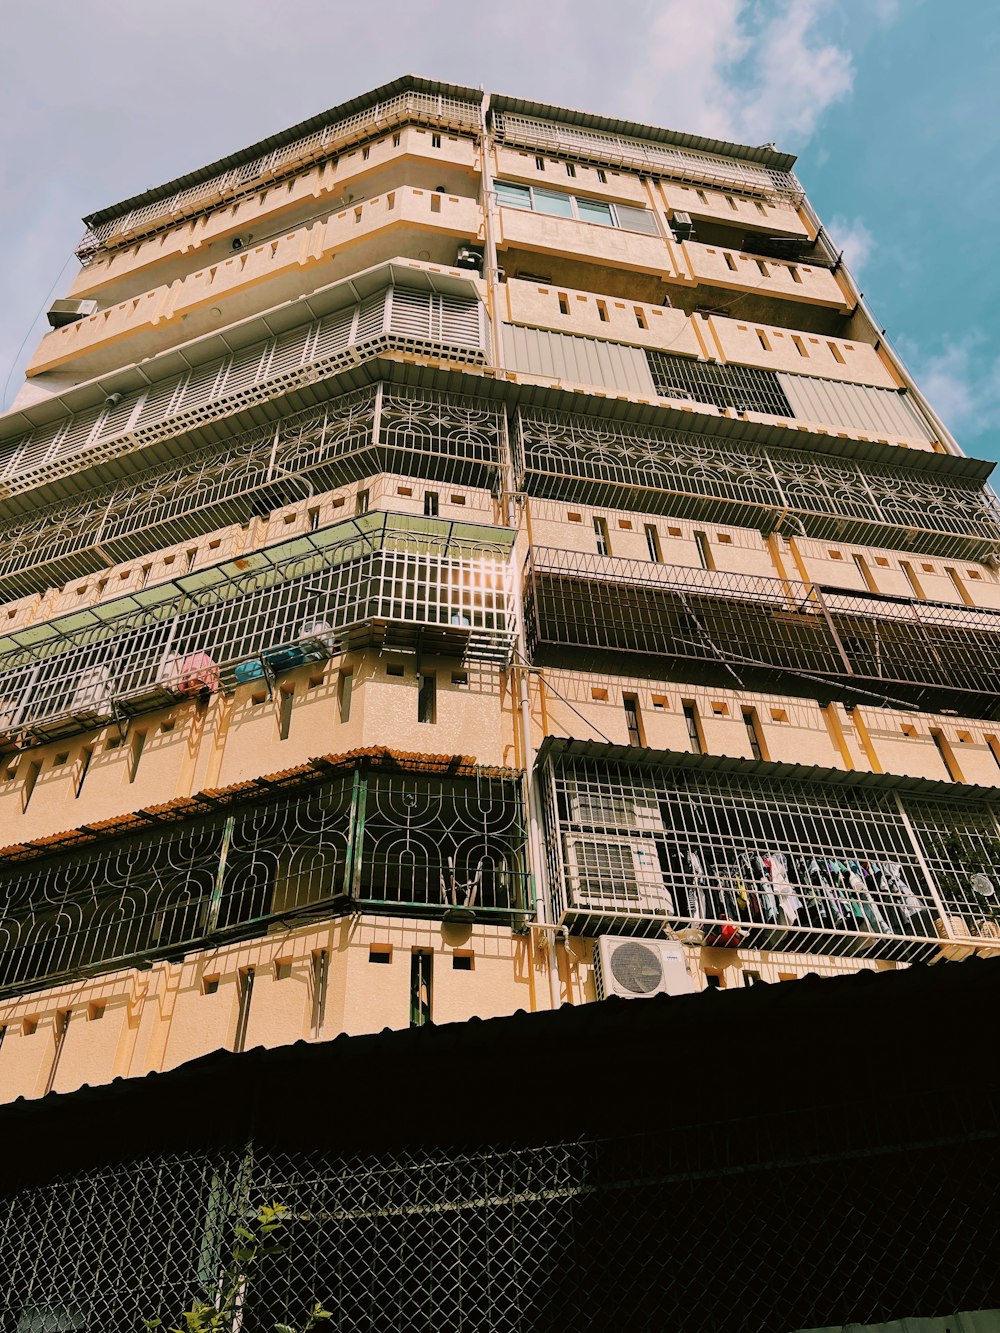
(17, 355)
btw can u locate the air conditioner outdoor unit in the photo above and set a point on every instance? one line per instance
(68, 312)
(682, 226)
(637, 969)
(471, 258)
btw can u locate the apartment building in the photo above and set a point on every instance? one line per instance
(462, 556)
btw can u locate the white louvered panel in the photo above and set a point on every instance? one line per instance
(247, 367)
(371, 318)
(461, 321)
(410, 313)
(34, 448)
(201, 385)
(289, 350)
(158, 401)
(334, 334)
(115, 419)
(77, 434)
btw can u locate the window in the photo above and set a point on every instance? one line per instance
(427, 698)
(602, 176)
(559, 204)
(361, 503)
(693, 723)
(344, 687)
(750, 978)
(959, 587)
(754, 733)
(947, 755)
(861, 565)
(286, 702)
(430, 504)
(313, 519)
(653, 544)
(136, 747)
(713, 981)
(320, 973)
(435, 141)
(570, 170)
(704, 550)
(420, 988)
(245, 983)
(601, 536)
(34, 768)
(86, 754)
(632, 720)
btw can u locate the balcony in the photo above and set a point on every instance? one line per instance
(406, 309)
(418, 836)
(383, 428)
(591, 242)
(269, 212)
(647, 156)
(383, 580)
(717, 266)
(767, 633)
(124, 228)
(258, 277)
(768, 856)
(732, 479)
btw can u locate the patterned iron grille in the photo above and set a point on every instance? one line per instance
(426, 845)
(770, 864)
(449, 437)
(767, 630)
(689, 475)
(730, 1228)
(739, 387)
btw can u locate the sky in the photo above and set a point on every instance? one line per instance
(892, 106)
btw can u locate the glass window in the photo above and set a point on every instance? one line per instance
(595, 210)
(550, 201)
(513, 196)
(636, 219)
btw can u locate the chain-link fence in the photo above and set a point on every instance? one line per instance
(776, 1224)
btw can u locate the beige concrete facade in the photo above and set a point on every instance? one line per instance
(736, 606)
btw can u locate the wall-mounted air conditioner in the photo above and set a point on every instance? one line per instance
(68, 312)
(471, 258)
(607, 874)
(682, 226)
(637, 969)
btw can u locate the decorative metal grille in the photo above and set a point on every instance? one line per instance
(688, 475)
(453, 438)
(818, 1228)
(208, 195)
(652, 159)
(446, 327)
(743, 388)
(768, 863)
(767, 630)
(391, 579)
(371, 841)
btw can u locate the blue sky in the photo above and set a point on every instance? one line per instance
(891, 104)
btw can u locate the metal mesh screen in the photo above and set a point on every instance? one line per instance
(749, 1226)
(739, 387)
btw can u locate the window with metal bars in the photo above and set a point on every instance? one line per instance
(743, 388)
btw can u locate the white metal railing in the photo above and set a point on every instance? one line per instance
(644, 155)
(429, 108)
(402, 319)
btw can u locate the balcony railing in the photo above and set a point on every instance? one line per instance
(769, 856)
(652, 159)
(391, 580)
(371, 839)
(161, 214)
(767, 631)
(452, 438)
(394, 319)
(714, 480)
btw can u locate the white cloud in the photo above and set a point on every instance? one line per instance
(962, 384)
(855, 240)
(729, 68)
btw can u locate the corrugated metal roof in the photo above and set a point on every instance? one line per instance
(967, 1321)
(559, 747)
(405, 83)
